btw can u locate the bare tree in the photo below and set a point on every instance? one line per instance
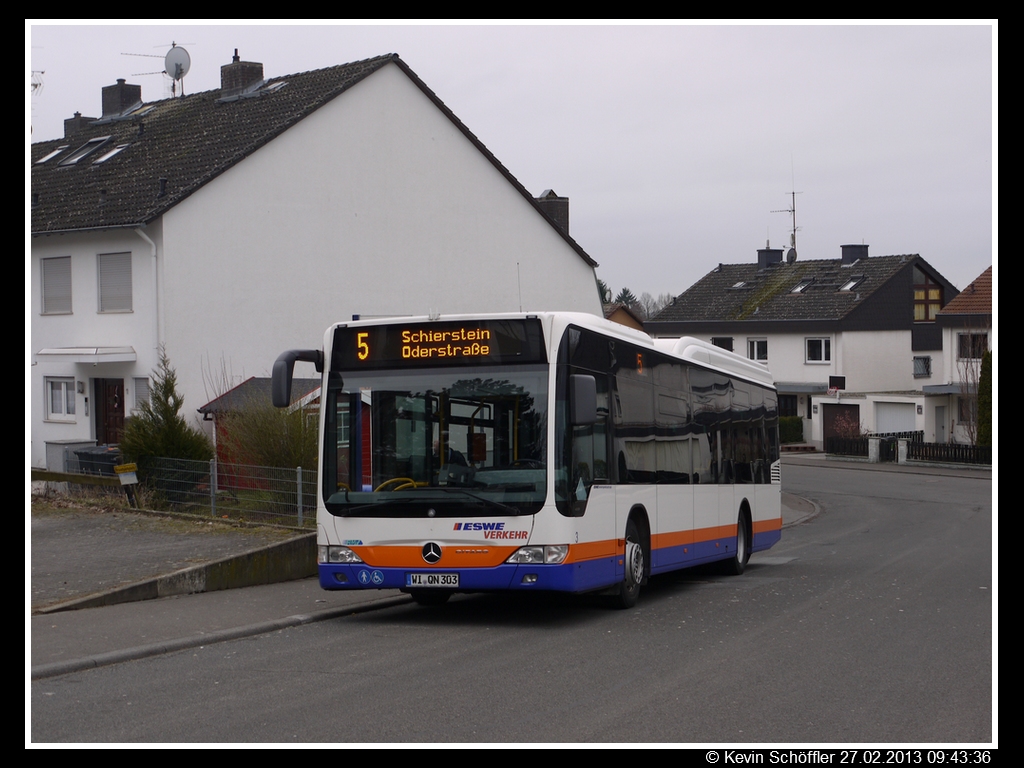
(971, 345)
(647, 306)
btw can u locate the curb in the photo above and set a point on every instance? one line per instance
(197, 641)
(285, 561)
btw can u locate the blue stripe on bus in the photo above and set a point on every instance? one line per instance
(580, 576)
(571, 577)
(766, 539)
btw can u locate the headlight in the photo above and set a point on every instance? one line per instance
(333, 554)
(549, 555)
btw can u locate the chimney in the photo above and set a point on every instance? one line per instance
(239, 75)
(555, 207)
(76, 124)
(767, 256)
(119, 97)
(852, 253)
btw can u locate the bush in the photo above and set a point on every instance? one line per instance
(985, 400)
(258, 433)
(791, 429)
(157, 430)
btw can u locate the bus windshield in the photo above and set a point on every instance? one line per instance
(436, 442)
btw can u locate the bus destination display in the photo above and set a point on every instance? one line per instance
(441, 343)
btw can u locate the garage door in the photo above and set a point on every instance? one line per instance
(895, 417)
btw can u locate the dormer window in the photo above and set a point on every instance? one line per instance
(85, 150)
(927, 297)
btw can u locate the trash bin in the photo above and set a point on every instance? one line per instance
(98, 459)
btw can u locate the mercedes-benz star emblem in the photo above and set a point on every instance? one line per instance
(431, 552)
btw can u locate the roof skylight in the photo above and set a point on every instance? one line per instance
(85, 150)
(51, 155)
(109, 154)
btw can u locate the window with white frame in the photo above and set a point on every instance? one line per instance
(818, 350)
(971, 346)
(56, 280)
(60, 398)
(757, 349)
(922, 366)
(115, 279)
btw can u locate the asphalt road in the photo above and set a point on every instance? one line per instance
(870, 622)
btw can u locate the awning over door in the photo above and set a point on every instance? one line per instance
(90, 355)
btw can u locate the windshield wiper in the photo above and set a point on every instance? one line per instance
(484, 499)
(344, 511)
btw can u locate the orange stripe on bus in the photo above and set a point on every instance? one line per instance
(480, 555)
(468, 555)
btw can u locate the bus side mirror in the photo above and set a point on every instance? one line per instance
(582, 399)
(281, 381)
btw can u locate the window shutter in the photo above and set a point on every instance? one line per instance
(56, 285)
(115, 282)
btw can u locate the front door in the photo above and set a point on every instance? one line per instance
(109, 410)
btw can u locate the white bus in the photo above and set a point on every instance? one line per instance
(547, 451)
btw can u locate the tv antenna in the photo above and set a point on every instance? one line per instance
(791, 256)
(176, 65)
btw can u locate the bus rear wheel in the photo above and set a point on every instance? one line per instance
(738, 563)
(629, 589)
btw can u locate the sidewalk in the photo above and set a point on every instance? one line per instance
(74, 640)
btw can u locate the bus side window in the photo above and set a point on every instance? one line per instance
(590, 447)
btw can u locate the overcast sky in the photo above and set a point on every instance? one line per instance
(673, 143)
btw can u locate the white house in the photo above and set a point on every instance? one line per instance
(230, 225)
(867, 326)
(966, 324)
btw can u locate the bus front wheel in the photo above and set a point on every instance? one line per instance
(629, 589)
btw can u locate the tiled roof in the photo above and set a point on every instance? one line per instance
(255, 391)
(189, 141)
(975, 299)
(737, 292)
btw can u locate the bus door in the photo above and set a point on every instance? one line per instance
(675, 447)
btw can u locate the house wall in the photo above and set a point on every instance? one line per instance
(963, 373)
(85, 326)
(883, 361)
(375, 205)
(954, 368)
(879, 370)
(786, 357)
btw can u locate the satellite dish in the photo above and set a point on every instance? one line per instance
(177, 62)
(791, 256)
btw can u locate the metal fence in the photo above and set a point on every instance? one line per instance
(951, 452)
(236, 491)
(888, 449)
(847, 446)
